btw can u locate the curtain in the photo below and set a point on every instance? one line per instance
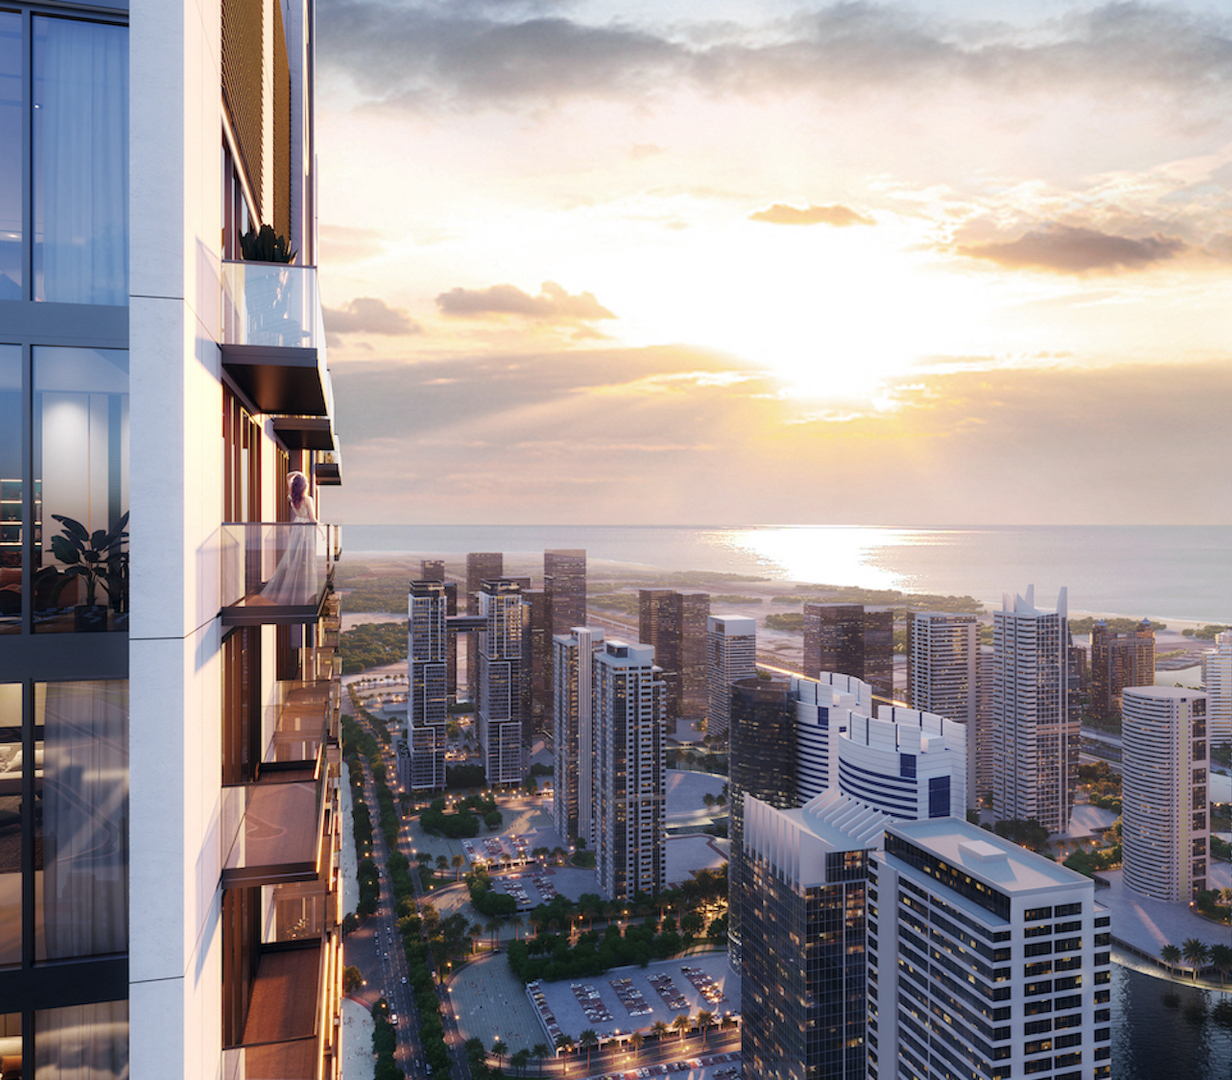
(82, 1042)
(81, 161)
(85, 820)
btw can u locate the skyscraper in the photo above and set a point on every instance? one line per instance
(803, 973)
(1035, 743)
(1118, 661)
(1165, 767)
(1217, 679)
(985, 959)
(564, 579)
(847, 640)
(731, 654)
(675, 624)
(537, 625)
(170, 719)
(630, 770)
(481, 566)
(501, 682)
(427, 708)
(943, 653)
(573, 760)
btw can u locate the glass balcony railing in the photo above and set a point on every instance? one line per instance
(276, 572)
(296, 729)
(271, 304)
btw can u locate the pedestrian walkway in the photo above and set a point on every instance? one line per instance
(490, 1001)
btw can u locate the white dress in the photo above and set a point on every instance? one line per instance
(294, 583)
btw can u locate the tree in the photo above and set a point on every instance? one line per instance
(682, 1023)
(1221, 957)
(499, 1050)
(540, 1050)
(475, 932)
(493, 927)
(564, 1043)
(458, 862)
(704, 1020)
(520, 1060)
(1170, 955)
(587, 1041)
(1196, 952)
(442, 863)
(475, 1053)
(636, 1040)
(517, 922)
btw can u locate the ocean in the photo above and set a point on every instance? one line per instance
(1178, 572)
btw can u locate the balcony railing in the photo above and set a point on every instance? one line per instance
(274, 337)
(276, 572)
(303, 722)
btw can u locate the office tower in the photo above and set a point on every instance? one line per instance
(1035, 743)
(906, 763)
(168, 717)
(1118, 661)
(1165, 771)
(537, 626)
(675, 624)
(984, 730)
(943, 653)
(573, 762)
(501, 681)
(481, 566)
(564, 579)
(1217, 679)
(630, 770)
(847, 640)
(432, 570)
(984, 959)
(803, 973)
(427, 699)
(731, 654)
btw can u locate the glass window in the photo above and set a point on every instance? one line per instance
(10, 1045)
(80, 162)
(81, 819)
(10, 824)
(85, 1042)
(10, 482)
(10, 161)
(81, 434)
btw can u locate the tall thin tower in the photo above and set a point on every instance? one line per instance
(502, 671)
(573, 732)
(731, 649)
(427, 684)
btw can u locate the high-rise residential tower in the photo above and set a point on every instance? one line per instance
(427, 699)
(537, 627)
(731, 654)
(943, 654)
(481, 566)
(985, 959)
(803, 972)
(564, 580)
(630, 770)
(1217, 679)
(168, 717)
(1034, 739)
(500, 713)
(573, 759)
(675, 624)
(847, 640)
(1118, 661)
(1165, 769)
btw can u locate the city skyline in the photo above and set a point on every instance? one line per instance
(872, 249)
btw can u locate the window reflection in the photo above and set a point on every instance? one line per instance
(84, 1042)
(10, 465)
(81, 437)
(10, 824)
(10, 162)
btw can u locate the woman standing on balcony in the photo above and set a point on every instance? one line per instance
(295, 580)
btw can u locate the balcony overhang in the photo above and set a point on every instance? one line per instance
(278, 378)
(305, 432)
(327, 474)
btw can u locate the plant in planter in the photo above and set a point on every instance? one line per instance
(99, 558)
(266, 246)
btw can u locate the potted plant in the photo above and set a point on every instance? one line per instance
(97, 557)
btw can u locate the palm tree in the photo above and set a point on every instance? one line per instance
(1221, 957)
(1196, 952)
(1170, 954)
(635, 1041)
(540, 1050)
(475, 933)
(660, 1028)
(588, 1040)
(499, 1050)
(704, 1020)
(520, 1060)
(683, 1021)
(458, 863)
(493, 927)
(565, 1043)
(442, 863)
(517, 922)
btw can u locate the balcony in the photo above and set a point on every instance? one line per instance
(279, 828)
(276, 573)
(306, 720)
(274, 337)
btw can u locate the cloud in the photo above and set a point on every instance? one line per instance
(780, 214)
(553, 304)
(340, 243)
(369, 315)
(1065, 249)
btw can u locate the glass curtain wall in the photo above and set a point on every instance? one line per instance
(10, 161)
(10, 483)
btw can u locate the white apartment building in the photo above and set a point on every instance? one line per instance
(731, 654)
(427, 699)
(1165, 765)
(984, 959)
(943, 655)
(501, 704)
(1034, 740)
(630, 718)
(905, 763)
(1217, 680)
(573, 760)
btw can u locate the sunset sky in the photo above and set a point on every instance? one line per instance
(725, 261)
